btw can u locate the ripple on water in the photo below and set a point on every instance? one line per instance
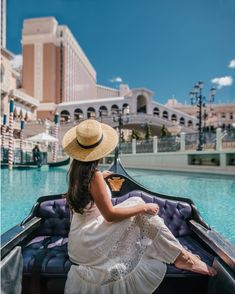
(214, 196)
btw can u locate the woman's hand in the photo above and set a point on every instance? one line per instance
(106, 173)
(151, 208)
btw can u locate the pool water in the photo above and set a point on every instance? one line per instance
(213, 195)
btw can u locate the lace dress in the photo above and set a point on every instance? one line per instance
(118, 257)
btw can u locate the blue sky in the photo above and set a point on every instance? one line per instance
(163, 45)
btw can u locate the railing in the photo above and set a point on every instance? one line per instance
(126, 148)
(228, 138)
(216, 141)
(144, 146)
(169, 144)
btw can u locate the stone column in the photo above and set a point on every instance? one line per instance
(155, 144)
(182, 141)
(133, 146)
(218, 139)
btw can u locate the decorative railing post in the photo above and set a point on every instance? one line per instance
(182, 141)
(56, 129)
(11, 138)
(218, 139)
(133, 146)
(3, 136)
(21, 140)
(155, 142)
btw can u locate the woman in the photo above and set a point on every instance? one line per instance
(114, 249)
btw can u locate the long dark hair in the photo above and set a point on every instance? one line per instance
(79, 178)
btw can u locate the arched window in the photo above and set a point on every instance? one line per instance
(190, 123)
(15, 114)
(141, 104)
(156, 111)
(26, 118)
(103, 111)
(126, 108)
(91, 112)
(114, 109)
(21, 114)
(65, 116)
(173, 117)
(78, 114)
(165, 114)
(182, 121)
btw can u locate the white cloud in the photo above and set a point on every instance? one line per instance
(222, 81)
(17, 61)
(116, 80)
(232, 64)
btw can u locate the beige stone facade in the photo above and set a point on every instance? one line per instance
(55, 68)
(215, 115)
(25, 106)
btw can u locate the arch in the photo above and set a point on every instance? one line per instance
(156, 111)
(190, 124)
(125, 108)
(26, 117)
(91, 112)
(2, 73)
(21, 115)
(114, 108)
(141, 104)
(78, 114)
(15, 114)
(182, 121)
(103, 111)
(173, 117)
(165, 114)
(64, 116)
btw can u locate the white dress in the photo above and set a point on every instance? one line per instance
(118, 257)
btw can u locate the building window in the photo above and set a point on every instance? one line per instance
(91, 112)
(182, 121)
(190, 123)
(64, 116)
(231, 115)
(126, 108)
(165, 114)
(223, 115)
(156, 111)
(78, 114)
(103, 111)
(114, 109)
(173, 117)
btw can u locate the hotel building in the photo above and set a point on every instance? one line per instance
(58, 74)
(10, 79)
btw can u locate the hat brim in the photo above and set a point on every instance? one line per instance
(107, 145)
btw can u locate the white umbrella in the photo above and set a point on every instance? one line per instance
(43, 137)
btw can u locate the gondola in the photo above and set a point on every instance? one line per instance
(39, 243)
(28, 165)
(59, 163)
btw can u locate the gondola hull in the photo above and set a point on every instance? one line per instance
(43, 237)
(59, 163)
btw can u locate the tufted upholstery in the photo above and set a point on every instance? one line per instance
(175, 213)
(55, 216)
(48, 250)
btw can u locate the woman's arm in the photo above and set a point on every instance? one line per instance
(110, 212)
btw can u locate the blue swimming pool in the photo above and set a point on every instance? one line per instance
(213, 195)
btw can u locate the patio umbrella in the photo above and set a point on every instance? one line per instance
(43, 138)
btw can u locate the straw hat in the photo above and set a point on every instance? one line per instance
(90, 140)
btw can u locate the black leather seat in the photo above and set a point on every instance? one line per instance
(46, 254)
